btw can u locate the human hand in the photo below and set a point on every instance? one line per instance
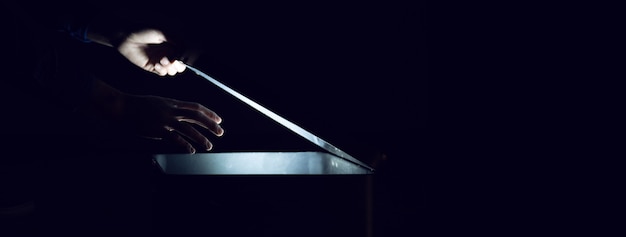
(169, 119)
(149, 49)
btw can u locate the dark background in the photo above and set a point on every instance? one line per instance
(354, 73)
(346, 71)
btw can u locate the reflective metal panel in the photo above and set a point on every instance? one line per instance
(257, 163)
(288, 124)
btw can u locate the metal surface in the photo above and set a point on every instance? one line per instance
(286, 123)
(257, 163)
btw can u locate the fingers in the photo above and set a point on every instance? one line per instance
(193, 134)
(213, 127)
(166, 67)
(180, 140)
(198, 112)
(200, 119)
(180, 66)
(159, 69)
(178, 120)
(176, 129)
(195, 113)
(150, 49)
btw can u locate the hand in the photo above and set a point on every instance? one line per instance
(164, 118)
(150, 50)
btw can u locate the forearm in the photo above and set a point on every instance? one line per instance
(108, 32)
(105, 31)
(110, 27)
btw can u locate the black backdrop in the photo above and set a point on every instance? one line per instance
(353, 73)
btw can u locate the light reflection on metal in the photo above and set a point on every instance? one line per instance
(257, 163)
(286, 123)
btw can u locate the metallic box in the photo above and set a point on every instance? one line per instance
(258, 163)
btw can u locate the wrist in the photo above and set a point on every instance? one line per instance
(105, 35)
(109, 31)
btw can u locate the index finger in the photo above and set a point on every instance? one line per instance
(180, 67)
(199, 108)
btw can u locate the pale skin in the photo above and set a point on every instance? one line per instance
(147, 48)
(159, 117)
(152, 116)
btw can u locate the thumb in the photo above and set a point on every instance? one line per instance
(150, 36)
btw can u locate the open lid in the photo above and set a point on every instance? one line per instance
(313, 162)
